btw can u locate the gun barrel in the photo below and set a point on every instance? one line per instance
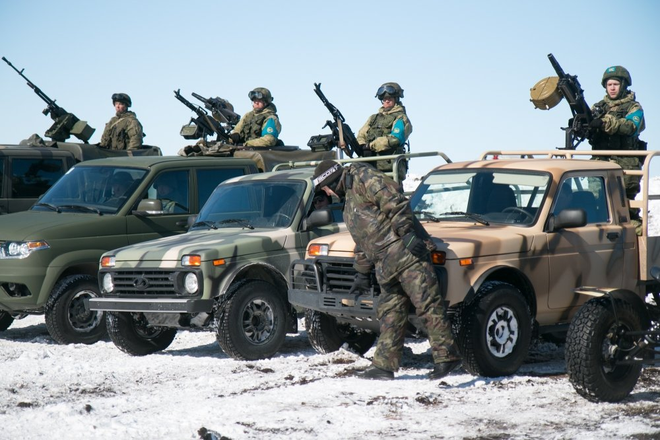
(556, 66)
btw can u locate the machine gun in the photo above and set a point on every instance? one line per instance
(341, 132)
(66, 124)
(548, 92)
(203, 125)
(221, 109)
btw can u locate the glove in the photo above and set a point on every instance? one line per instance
(366, 151)
(596, 123)
(415, 245)
(361, 284)
(235, 138)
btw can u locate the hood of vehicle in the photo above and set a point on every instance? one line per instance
(43, 225)
(457, 239)
(461, 241)
(209, 244)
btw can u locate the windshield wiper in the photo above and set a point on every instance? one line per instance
(83, 208)
(476, 217)
(49, 206)
(472, 216)
(240, 221)
(205, 223)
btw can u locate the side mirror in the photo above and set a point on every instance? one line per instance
(567, 218)
(320, 217)
(149, 207)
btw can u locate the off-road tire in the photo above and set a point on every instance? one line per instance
(5, 321)
(496, 331)
(131, 333)
(591, 369)
(67, 319)
(327, 335)
(252, 323)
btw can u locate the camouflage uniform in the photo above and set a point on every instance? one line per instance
(378, 215)
(623, 120)
(385, 133)
(123, 132)
(259, 128)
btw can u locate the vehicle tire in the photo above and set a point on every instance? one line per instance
(5, 321)
(67, 319)
(496, 331)
(131, 334)
(594, 344)
(252, 322)
(327, 335)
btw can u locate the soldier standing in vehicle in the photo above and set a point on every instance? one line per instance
(619, 121)
(260, 127)
(389, 238)
(387, 131)
(124, 131)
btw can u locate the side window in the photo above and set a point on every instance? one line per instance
(207, 180)
(586, 192)
(32, 177)
(2, 175)
(171, 188)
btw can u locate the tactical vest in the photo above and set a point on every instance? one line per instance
(381, 124)
(254, 123)
(115, 136)
(604, 141)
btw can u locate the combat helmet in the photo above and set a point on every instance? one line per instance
(121, 97)
(261, 93)
(390, 89)
(620, 73)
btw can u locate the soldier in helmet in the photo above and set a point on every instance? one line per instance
(389, 239)
(124, 131)
(619, 121)
(387, 131)
(260, 127)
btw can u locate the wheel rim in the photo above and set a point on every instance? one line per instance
(258, 321)
(612, 349)
(502, 332)
(80, 318)
(143, 329)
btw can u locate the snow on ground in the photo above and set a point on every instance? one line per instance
(96, 391)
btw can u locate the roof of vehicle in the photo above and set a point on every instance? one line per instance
(150, 161)
(296, 173)
(43, 151)
(555, 166)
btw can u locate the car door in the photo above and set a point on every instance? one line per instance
(591, 255)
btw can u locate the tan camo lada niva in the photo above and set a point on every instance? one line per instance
(517, 236)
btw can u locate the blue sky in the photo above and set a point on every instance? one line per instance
(466, 67)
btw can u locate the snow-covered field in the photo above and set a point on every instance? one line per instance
(50, 391)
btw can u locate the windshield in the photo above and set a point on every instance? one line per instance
(487, 196)
(252, 204)
(100, 190)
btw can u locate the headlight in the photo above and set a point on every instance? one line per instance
(108, 283)
(21, 249)
(108, 261)
(317, 250)
(190, 283)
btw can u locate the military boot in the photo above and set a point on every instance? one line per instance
(444, 368)
(375, 373)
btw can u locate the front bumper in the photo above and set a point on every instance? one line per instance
(162, 305)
